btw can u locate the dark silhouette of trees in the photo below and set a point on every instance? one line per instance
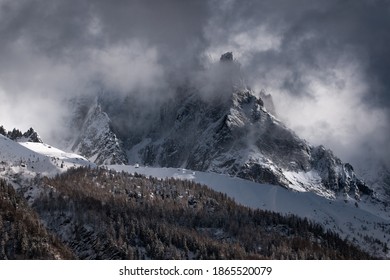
(103, 214)
(15, 134)
(3, 131)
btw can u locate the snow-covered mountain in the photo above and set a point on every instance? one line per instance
(230, 132)
(95, 140)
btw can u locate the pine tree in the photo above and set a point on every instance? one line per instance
(14, 134)
(3, 131)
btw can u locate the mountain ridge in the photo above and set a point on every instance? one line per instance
(234, 135)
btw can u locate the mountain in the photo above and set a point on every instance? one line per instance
(232, 132)
(95, 139)
(227, 137)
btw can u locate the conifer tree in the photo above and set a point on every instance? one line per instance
(3, 131)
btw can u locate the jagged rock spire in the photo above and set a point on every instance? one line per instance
(32, 136)
(97, 141)
(227, 56)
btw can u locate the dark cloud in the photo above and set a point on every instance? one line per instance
(65, 28)
(53, 50)
(325, 62)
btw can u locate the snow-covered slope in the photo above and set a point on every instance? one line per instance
(365, 223)
(31, 158)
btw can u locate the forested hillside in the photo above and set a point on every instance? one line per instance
(103, 214)
(22, 235)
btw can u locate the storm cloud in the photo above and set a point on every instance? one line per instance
(326, 63)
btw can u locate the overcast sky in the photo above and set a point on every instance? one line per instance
(326, 63)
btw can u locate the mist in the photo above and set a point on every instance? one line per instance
(325, 63)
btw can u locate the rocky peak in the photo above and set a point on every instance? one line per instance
(236, 135)
(268, 101)
(227, 56)
(246, 96)
(97, 141)
(31, 136)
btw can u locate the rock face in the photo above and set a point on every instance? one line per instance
(377, 175)
(227, 56)
(232, 133)
(30, 136)
(238, 136)
(96, 141)
(337, 175)
(268, 102)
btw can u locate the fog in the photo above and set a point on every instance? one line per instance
(326, 63)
